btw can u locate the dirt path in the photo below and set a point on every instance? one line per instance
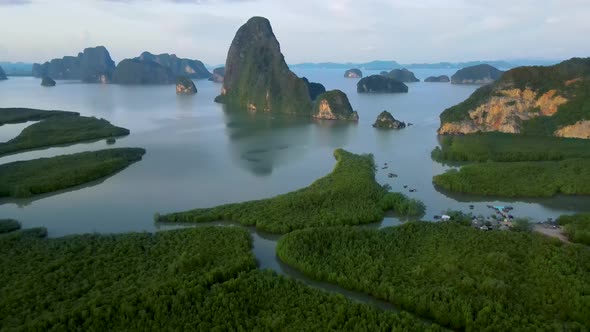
(552, 232)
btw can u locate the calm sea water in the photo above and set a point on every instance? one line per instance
(198, 155)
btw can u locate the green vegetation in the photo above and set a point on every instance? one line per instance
(577, 227)
(570, 79)
(28, 178)
(509, 147)
(200, 279)
(458, 276)
(339, 107)
(478, 74)
(58, 130)
(20, 115)
(9, 225)
(347, 196)
(520, 179)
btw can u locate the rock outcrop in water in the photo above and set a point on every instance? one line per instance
(217, 75)
(2, 74)
(480, 74)
(403, 75)
(528, 100)
(256, 75)
(47, 81)
(334, 105)
(380, 84)
(314, 89)
(387, 121)
(93, 65)
(140, 72)
(185, 86)
(178, 66)
(438, 79)
(353, 73)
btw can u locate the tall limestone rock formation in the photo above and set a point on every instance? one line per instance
(548, 101)
(179, 66)
(257, 77)
(93, 65)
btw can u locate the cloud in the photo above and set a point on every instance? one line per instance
(15, 2)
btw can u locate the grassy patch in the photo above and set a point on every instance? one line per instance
(58, 130)
(460, 277)
(520, 179)
(349, 195)
(19, 115)
(28, 178)
(509, 147)
(577, 227)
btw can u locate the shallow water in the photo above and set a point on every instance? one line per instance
(199, 155)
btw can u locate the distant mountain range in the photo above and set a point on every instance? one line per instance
(389, 65)
(17, 68)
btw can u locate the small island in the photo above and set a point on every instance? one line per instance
(438, 79)
(314, 89)
(353, 73)
(217, 75)
(403, 75)
(480, 74)
(334, 105)
(47, 81)
(93, 65)
(380, 84)
(185, 86)
(386, 121)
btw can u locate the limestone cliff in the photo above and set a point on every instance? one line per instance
(93, 65)
(179, 66)
(314, 89)
(256, 75)
(403, 75)
(528, 100)
(353, 73)
(479, 74)
(386, 121)
(185, 86)
(47, 81)
(334, 105)
(217, 75)
(140, 72)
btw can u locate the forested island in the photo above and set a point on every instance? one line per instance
(349, 195)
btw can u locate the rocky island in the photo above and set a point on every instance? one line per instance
(480, 74)
(403, 75)
(387, 121)
(542, 101)
(217, 75)
(314, 89)
(334, 105)
(185, 86)
(438, 79)
(2, 74)
(178, 66)
(380, 84)
(47, 81)
(134, 72)
(256, 75)
(353, 73)
(93, 65)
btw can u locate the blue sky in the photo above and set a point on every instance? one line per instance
(308, 30)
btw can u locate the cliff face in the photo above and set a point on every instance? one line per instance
(314, 89)
(47, 81)
(93, 65)
(256, 75)
(528, 100)
(479, 74)
(334, 105)
(353, 73)
(179, 66)
(217, 75)
(387, 121)
(131, 71)
(185, 86)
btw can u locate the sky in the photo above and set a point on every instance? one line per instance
(408, 31)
